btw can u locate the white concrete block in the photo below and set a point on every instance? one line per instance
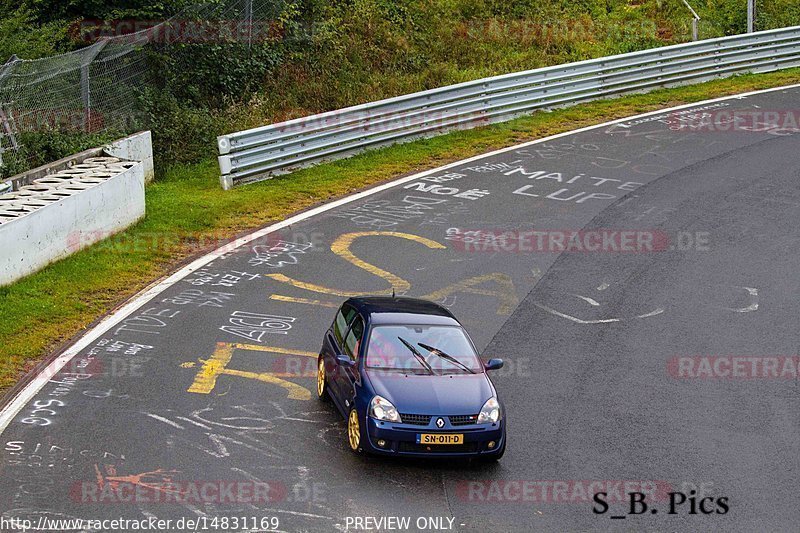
(43, 223)
(137, 147)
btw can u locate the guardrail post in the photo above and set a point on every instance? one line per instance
(484, 104)
(226, 181)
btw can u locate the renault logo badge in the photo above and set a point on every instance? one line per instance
(440, 422)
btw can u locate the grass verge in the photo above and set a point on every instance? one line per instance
(186, 208)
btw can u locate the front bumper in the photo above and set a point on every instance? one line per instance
(401, 439)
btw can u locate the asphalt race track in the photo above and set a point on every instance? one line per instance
(683, 258)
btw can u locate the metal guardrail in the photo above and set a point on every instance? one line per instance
(260, 153)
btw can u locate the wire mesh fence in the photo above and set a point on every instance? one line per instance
(97, 90)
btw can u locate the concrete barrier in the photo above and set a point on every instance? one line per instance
(56, 210)
(137, 147)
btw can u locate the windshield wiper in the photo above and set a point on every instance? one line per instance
(418, 355)
(387, 369)
(439, 353)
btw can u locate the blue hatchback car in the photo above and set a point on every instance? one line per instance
(407, 378)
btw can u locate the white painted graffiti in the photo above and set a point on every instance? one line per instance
(49, 454)
(103, 394)
(200, 299)
(750, 305)
(552, 151)
(435, 188)
(222, 432)
(253, 326)
(488, 168)
(665, 117)
(383, 214)
(220, 279)
(124, 359)
(591, 153)
(560, 177)
(35, 466)
(118, 347)
(279, 254)
(443, 178)
(479, 238)
(442, 216)
(40, 410)
(150, 321)
(567, 194)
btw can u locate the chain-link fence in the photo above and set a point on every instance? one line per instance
(96, 91)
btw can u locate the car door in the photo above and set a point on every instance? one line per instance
(347, 376)
(332, 347)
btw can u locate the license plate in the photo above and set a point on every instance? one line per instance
(441, 438)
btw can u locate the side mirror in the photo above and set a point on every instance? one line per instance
(345, 361)
(493, 364)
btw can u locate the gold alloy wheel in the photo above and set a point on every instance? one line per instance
(321, 378)
(353, 431)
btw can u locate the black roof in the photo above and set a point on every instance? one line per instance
(370, 305)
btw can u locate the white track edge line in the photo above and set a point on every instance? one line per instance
(24, 396)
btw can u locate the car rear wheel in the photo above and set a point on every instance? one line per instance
(354, 431)
(322, 383)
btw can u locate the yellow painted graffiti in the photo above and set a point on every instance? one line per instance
(341, 247)
(505, 293)
(217, 365)
(291, 299)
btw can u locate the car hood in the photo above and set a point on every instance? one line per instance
(457, 394)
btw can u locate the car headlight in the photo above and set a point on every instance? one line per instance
(490, 412)
(382, 409)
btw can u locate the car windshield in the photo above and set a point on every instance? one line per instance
(421, 350)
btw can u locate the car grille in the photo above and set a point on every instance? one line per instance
(463, 420)
(424, 420)
(415, 420)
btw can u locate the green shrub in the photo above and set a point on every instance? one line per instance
(60, 10)
(20, 35)
(777, 13)
(329, 55)
(207, 75)
(43, 147)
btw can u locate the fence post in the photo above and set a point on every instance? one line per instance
(5, 72)
(751, 15)
(695, 19)
(86, 91)
(248, 15)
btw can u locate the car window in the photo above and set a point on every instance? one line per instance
(392, 347)
(342, 321)
(353, 339)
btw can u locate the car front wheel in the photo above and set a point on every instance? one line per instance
(354, 431)
(322, 381)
